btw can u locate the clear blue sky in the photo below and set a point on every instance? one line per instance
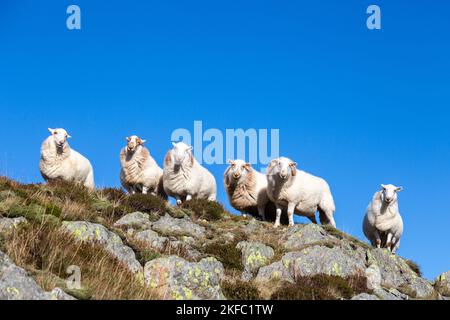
(354, 106)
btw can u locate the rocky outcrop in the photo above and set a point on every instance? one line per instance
(182, 280)
(396, 273)
(136, 221)
(442, 284)
(254, 256)
(16, 284)
(98, 234)
(167, 225)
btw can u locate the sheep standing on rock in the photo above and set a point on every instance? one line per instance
(383, 225)
(60, 162)
(299, 192)
(246, 188)
(184, 178)
(140, 173)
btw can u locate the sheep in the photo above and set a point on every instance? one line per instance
(60, 162)
(299, 192)
(184, 178)
(246, 188)
(139, 171)
(383, 224)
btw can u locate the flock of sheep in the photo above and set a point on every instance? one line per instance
(283, 188)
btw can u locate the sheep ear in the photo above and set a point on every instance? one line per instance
(383, 186)
(128, 139)
(174, 144)
(398, 189)
(230, 161)
(142, 141)
(293, 166)
(69, 136)
(226, 177)
(52, 131)
(272, 163)
(191, 148)
(247, 166)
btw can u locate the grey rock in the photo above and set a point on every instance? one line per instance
(98, 234)
(183, 280)
(185, 250)
(170, 226)
(395, 273)
(390, 294)
(252, 226)
(136, 221)
(255, 255)
(9, 224)
(365, 296)
(373, 275)
(16, 284)
(301, 235)
(152, 239)
(312, 261)
(442, 284)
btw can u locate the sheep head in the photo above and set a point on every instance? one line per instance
(282, 167)
(238, 170)
(60, 137)
(133, 143)
(389, 193)
(182, 153)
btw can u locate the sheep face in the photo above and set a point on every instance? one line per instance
(60, 137)
(181, 152)
(283, 167)
(238, 170)
(133, 143)
(389, 193)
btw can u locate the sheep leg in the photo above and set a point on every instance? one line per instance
(377, 239)
(179, 202)
(389, 241)
(144, 190)
(396, 246)
(290, 211)
(188, 197)
(261, 212)
(278, 217)
(313, 219)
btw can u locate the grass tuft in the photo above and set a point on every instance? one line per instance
(240, 290)
(205, 209)
(321, 287)
(146, 203)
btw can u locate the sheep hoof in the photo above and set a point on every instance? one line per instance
(179, 202)
(276, 225)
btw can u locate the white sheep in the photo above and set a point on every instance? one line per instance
(184, 178)
(299, 192)
(139, 171)
(60, 162)
(383, 225)
(246, 189)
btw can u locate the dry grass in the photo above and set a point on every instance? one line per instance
(321, 287)
(239, 290)
(43, 247)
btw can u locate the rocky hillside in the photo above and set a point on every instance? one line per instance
(140, 247)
